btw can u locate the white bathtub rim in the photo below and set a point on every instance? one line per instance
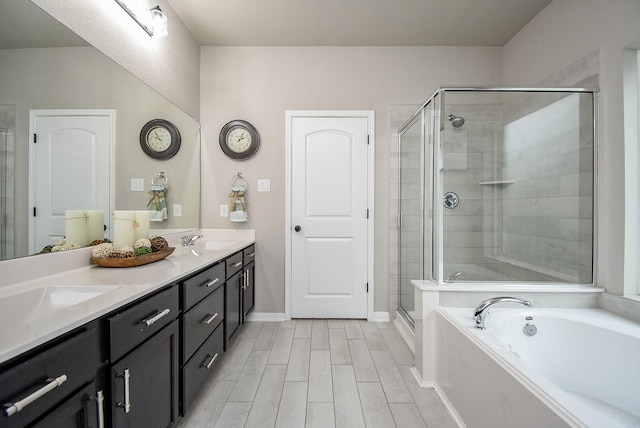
(529, 287)
(536, 383)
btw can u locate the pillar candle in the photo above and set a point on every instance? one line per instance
(96, 225)
(142, 219)
(123, 233)
(76, 227)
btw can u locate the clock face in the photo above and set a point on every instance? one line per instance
(160, 139)
(239, 140)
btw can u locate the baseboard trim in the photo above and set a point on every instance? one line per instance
(421, 383)
(452, 411)
(267, 317)
(406, 333)
(381, 317)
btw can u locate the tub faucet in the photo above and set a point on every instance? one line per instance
(482, 310)
(454, 276)
(188, 240)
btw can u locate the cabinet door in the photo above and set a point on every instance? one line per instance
(84, 409)
(248, 291)
(232, 310)
(145, 383)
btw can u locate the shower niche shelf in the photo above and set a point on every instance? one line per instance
(496, 182)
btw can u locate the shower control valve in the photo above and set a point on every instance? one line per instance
(451, 200)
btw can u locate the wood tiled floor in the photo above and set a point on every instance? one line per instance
(317, 373)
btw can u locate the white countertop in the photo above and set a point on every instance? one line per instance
(23, 330)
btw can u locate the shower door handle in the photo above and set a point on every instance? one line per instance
(451, 200)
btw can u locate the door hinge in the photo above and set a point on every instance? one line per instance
(367, 212)
(367, 287)
(368, 140)
(34, 211)
(35, 138)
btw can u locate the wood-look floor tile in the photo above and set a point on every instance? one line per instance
(394, 387)
(265, 406)
(249, 379)
(333, 323)
(234, 414)
(363, 365)
(303, 329)
(320, 415)
(339, 346)
(298, 370)
(267, 336)
(281, 347)
(348, 411)
(399, 350)
(252, 329)
(206, 410)
(320, 384)
(375, 407)
(293, 405)
(373, 336)
(319, 334)
(233, 363)
(353, 329)
(407, 415)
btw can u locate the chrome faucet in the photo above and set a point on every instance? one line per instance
(188, 240)
(482, 310)
(454, 276)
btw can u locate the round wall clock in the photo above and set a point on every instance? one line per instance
(239, 139)
(160, 139)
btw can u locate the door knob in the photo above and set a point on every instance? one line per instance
(297, 228)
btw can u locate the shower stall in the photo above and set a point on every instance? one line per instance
(496, 185)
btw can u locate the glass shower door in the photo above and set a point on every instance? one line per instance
(410, 236)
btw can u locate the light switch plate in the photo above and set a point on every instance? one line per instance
(137, 184)
(177, 210)
(264, 185)
(224, 210)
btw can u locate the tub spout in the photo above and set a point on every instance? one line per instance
(482, 310)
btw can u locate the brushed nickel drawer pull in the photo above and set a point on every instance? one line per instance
(237, 264)
(210, 320)
(210, 363)
(127, 402)
(99, 397)
(209, 284)
(156, 317)
(251, 254)
(13, 408)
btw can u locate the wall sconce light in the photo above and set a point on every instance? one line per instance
(152, 20)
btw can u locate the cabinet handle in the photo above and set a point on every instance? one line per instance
(209, 284)
(13, 408)
(210, 363)
(237, 264)
(251, 254)
(210, 320)
(156, 317)
(127, 403)
(99, 397)
(245, 280)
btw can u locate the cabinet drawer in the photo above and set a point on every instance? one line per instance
(141, 321)
(197, 372)
(249, 254)
(201, 284)
(234, 264)
(73, 363)
(200, 321)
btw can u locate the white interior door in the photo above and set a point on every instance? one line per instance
(62, 138)
(329, 217)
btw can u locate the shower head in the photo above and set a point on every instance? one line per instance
(456, 121)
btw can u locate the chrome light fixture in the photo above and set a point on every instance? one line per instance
(152, 20)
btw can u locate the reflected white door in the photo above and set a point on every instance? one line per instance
(329, 244)
(70, 169)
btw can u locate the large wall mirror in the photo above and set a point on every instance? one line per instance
(45, 66)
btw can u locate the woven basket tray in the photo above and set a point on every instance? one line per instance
(133, 261)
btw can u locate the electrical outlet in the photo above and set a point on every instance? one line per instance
(224, 210)
(137, 184)
(177, 210)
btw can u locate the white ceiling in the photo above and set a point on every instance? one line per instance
(355, 22)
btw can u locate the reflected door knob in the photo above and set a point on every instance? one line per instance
(297, 228)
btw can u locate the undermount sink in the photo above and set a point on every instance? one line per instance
(219, 245)
(38, 302)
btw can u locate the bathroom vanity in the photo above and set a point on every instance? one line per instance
(136, 354)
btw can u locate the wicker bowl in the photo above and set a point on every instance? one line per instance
(133, 261)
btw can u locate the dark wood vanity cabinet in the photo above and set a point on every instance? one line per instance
(202, 328)
(240, 291)
(56, 384)
(144, 352)
(249, 287)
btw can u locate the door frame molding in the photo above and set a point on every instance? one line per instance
(288, 228)
(35, 113)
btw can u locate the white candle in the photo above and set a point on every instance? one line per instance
(123, 233)
(76, 227)
(96, 225)
(142, 220)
